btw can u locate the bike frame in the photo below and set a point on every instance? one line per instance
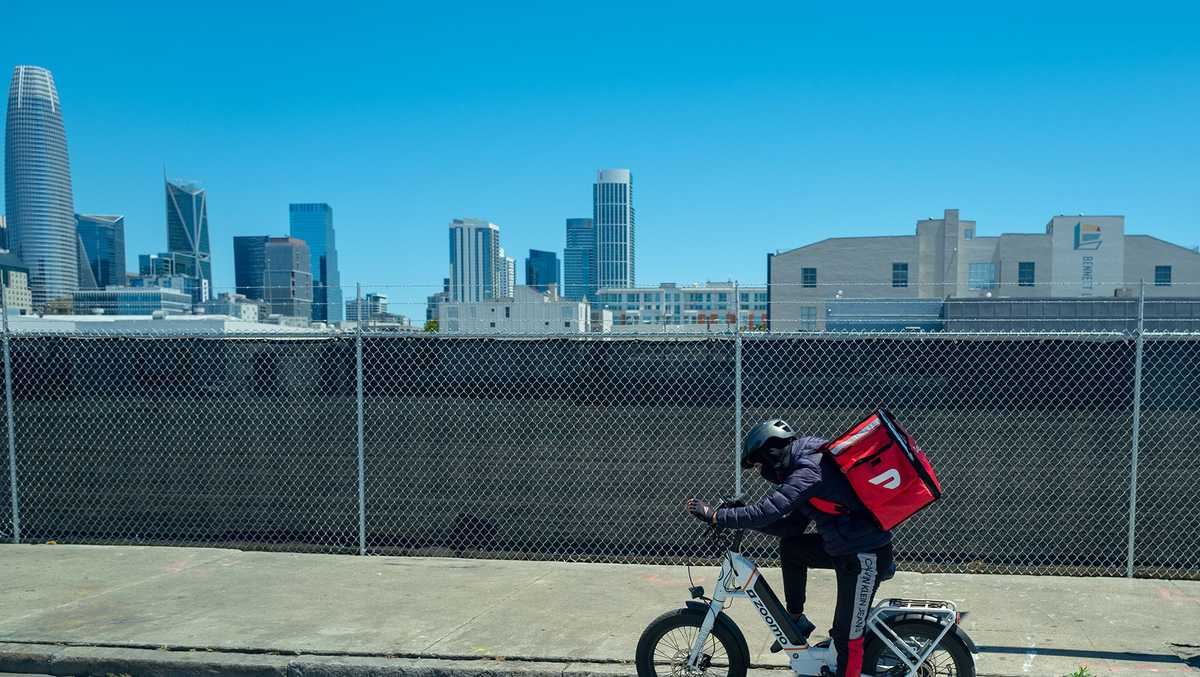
(740, 577)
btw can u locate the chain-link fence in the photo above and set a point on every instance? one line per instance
(585, 447)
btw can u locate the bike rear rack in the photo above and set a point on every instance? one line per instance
(945, 611)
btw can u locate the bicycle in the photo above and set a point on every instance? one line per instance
(905, 637)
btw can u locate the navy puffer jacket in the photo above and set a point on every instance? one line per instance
(810, 474)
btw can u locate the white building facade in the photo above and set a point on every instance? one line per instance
(527, 312)
(715, 305)
(1075, 257)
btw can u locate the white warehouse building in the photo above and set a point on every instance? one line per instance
(1077, 257)
(527, 312)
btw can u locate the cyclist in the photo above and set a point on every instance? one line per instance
(812, 489)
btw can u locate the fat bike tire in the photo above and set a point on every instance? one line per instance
(951, 658)
(663, 648)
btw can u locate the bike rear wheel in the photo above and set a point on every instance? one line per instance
(951, 658)
(663, 649)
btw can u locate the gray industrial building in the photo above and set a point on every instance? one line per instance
(873, 280)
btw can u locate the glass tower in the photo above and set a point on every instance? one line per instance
(612, 212)
(37, 186)
(187, 224)
(103, 239)
(579, 260)
(541, 270)
(250, 265)
(313, 223)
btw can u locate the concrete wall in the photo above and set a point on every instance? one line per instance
(1143, 253)
(858, 267)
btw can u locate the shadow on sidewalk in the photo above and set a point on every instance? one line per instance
(1190, 661)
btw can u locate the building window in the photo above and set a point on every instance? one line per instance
(981, 276)
(808, 277)
(899, 274)
(567, 325)
(968, 233)
(492, 325)
(808, 318)
(1162, 276)
(1025, 274)
(506, 309)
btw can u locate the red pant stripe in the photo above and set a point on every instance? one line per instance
(854, 658)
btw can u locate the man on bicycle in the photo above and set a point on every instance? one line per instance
(812, 489)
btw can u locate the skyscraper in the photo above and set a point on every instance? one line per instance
(541, 270)
(579, 260)
(474, 260)
(508, 274)
(289, 277)
(103, 239)
(313, 223)
(612, 212)
(37, 186)
(187, 224)
(250, 265)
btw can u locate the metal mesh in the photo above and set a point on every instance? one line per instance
(186, 440)
(1167, 543)
(1029, 437)
(544, 448)
(584, 448)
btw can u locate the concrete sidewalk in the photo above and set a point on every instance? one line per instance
(156, 610)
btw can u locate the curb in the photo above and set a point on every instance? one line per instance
(63, 660)
(76, 661)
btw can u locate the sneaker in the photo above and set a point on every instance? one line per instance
(804, 628)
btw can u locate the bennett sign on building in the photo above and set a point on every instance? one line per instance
(1087, 255)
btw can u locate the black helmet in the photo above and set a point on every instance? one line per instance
(765, 438)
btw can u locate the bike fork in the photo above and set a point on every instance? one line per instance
(720, 594)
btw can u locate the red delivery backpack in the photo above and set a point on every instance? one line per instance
(887, 470)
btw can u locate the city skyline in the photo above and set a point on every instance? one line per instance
(810, 138)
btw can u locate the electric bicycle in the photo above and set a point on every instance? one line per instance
(904, 637)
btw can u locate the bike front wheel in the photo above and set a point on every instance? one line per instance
(665, 644)
(951, 658)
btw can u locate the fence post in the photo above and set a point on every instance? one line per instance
(358, 376)
(8, 413)
(737, 391)
(1137, 423)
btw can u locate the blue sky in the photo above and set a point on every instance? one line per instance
(748, 128)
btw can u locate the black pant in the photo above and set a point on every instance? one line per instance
(858, 577)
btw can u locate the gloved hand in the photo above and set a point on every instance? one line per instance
(702, 511)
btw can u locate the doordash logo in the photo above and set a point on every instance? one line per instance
(888, 480)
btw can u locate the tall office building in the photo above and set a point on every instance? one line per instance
(187, 224)
(37, 186)
(289, 277)
(313, 223)
(250, 265)
(579, 260)
(103, 240)
(508, 275)
(612, 212)
(474, 260)
(541, 270)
